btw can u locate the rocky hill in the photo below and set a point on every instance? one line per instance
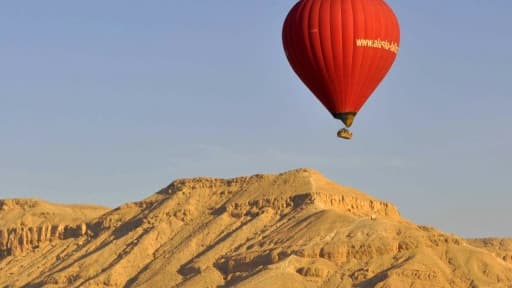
(295, 229)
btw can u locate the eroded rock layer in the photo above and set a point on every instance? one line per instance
(295, 229)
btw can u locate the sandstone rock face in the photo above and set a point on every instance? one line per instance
(19, 239)
(27, 224)
(295, 229)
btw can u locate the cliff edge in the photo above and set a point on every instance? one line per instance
(294, 229)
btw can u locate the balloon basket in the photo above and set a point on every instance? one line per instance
(345, 134)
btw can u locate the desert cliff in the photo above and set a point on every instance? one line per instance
(295, 229)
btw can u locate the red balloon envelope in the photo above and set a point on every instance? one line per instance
(341, 50)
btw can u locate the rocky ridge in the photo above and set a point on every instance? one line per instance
(294, 229)
(28, 224)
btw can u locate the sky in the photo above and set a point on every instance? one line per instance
(106, 102)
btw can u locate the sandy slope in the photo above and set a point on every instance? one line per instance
(295, 229)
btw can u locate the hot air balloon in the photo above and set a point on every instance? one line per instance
(341, 50)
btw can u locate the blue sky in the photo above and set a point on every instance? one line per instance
(108, 101)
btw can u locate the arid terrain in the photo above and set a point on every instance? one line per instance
(295, 229)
